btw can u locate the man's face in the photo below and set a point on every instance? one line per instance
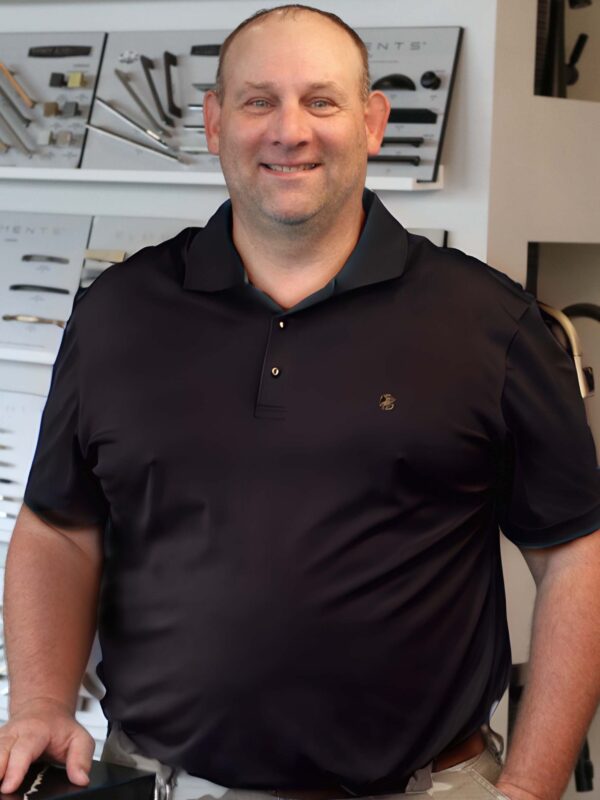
(292, 130)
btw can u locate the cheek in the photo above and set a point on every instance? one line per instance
(240, 143)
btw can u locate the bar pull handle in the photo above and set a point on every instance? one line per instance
(148, 66)
(109, 256)
(171, 61)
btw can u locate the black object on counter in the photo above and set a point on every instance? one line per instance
(107, 782)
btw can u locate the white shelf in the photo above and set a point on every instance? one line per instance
(110, 176)
(8, 353)
(397, 184)
(382, 182)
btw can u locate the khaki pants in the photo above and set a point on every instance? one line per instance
(473, 779)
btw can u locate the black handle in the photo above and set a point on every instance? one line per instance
(205, 50)
(170, 60)
(578, 49)
(147, 66)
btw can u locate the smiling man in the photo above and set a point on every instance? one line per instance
(289, 483)
(293, 130)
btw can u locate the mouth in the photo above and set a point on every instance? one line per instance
(286, 169)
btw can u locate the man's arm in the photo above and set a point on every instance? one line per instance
(51, 590)
(563, 687)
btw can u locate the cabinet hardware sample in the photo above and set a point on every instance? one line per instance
(414, 160)
(18, 142)
(413, 115)
(193, 149)
(7, 515)
(414, 141)
(126, 82)
(59, 51)
(32, 318)
(195, 106)
(5, 447)
(62, 138)
(25, 120)
(155, 137)
(71, 109)
(148, 66)
(9, 499)
(205, 50)
(194, 128)
(170, 61)
(75, 80)
(32, 287)
(394, 82)
(72, 80)
(120, 138)
(4, 148)
(109, 256)
(48, 259)
(16, 86)
(204, 87)
(51, 109)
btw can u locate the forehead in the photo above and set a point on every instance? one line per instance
(304, 45)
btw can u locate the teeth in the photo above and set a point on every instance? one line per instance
(282, 168)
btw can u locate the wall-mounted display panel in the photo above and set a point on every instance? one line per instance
(41, 257)
(148, 108)
(20, 415)
(47, 84)
(416, 68)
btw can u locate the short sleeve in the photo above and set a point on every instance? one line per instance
(550, 490)
(61, 487)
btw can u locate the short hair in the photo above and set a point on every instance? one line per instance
(365, 87)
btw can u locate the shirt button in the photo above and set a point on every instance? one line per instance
(281, 323)
(275, 372)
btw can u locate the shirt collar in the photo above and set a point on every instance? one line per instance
(213, 263)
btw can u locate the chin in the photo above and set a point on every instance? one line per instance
(291, 216)
(291, 219)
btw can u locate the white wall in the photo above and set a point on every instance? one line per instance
(462, 207)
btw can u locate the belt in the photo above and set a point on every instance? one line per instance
(469, 748)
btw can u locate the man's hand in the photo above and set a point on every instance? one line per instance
(43, 727)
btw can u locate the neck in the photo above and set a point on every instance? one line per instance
(290, 262)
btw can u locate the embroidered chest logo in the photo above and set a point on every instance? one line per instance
(387, 402)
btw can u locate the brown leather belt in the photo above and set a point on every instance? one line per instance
(462, 751)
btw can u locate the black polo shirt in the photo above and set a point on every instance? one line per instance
(303, 584)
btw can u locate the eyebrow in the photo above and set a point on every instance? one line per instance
(271, 86)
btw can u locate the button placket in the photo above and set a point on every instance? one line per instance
(271, 400)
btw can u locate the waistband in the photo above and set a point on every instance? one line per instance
(121, 750)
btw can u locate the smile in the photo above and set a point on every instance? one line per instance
(286, 168)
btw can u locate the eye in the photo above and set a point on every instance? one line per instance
(258, 103)
(322, 105)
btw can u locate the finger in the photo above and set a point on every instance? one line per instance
(6, 743)
(79, 758)
(22, 754)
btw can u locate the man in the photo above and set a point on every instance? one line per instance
(301, 427)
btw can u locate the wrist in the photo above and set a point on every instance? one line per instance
(40, 703)
(516, 791)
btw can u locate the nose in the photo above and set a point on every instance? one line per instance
(290, 125)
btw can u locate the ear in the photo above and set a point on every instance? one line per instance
(377, 111)
(212, 117)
